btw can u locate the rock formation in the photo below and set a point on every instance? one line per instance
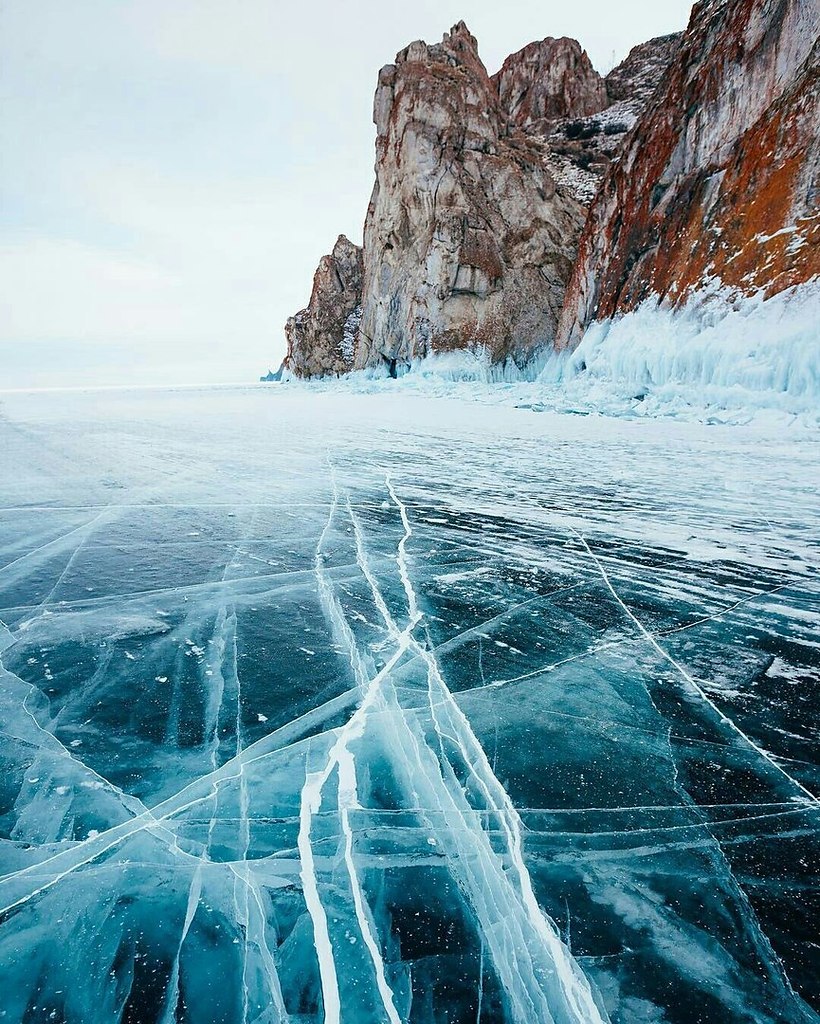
(322, 337)
(698, 153)
(467, 240)
(720, 180)
(546, 81)
(581, 148)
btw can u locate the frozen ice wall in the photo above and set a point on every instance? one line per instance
(747, 355)
(717, 359)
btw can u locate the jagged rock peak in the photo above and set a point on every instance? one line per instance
(719, 180)
(581, 148)
(460, 38)
(467, 242)
(547, 80)
(458, 46)
(322, 337)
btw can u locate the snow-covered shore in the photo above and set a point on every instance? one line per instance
(712, 361)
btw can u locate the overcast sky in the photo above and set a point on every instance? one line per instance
(172, 170)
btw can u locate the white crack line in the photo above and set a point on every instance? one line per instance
(689, 678)
(343, 761)
(574, 984)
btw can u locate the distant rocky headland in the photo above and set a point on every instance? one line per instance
(510, 212)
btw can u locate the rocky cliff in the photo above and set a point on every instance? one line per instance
(322, 337)
(584, 140)
(637, 77)
(467, 240)
(719, 181)
(698, 158)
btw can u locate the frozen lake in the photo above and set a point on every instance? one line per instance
(382, 708)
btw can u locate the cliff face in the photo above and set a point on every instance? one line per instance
(467, 240)
(720, 179)
(322, 337)
(699, 155)
(636, 78)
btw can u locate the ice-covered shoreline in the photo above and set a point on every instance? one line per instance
(713, 361)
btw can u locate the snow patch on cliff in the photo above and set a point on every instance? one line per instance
(350, 334)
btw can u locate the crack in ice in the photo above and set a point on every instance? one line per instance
(725, 720)
(574, 988)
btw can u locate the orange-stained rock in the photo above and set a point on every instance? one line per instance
(719, 181)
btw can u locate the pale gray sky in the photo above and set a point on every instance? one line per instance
(172, 170)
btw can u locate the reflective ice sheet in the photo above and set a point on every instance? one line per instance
(347, 709)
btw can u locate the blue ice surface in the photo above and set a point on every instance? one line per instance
(326, 707)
